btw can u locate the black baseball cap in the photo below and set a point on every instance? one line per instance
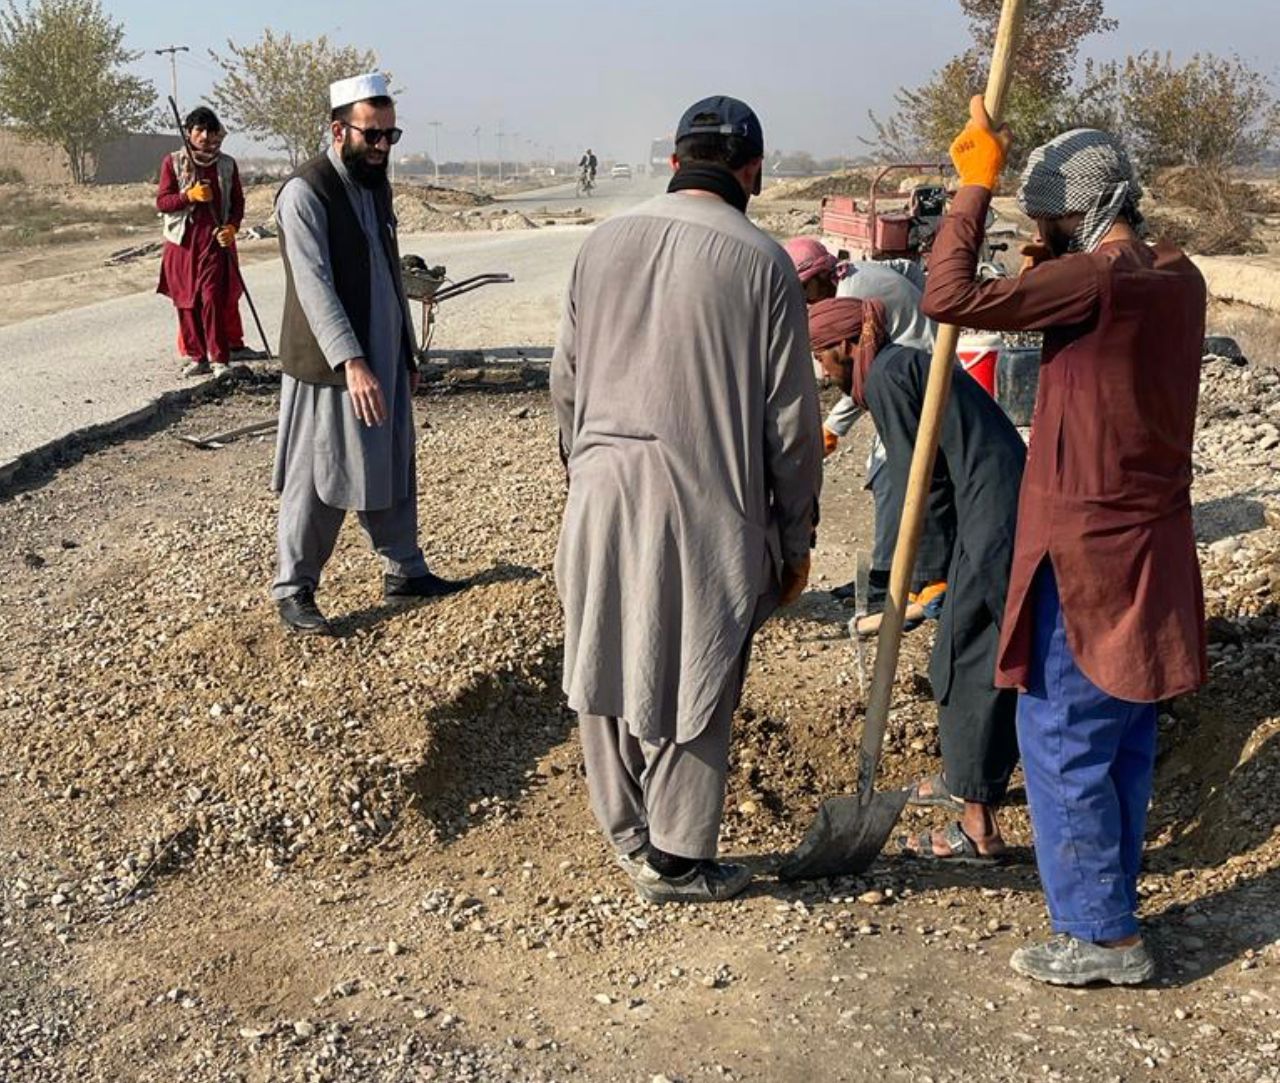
(722, 115)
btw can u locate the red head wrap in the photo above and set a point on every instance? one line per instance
(850, 319)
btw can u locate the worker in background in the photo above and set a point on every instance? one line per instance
(197, 191)
(1106, 613)
(689, 425)
(899, 286)
(979, 465)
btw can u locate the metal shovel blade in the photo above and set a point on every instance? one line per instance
(845, 837)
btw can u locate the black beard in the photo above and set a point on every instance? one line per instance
(1058, 239)
(362, 170)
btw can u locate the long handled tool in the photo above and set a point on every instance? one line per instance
(850, 831)
(217, 217)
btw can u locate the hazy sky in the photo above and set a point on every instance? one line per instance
(614, 74)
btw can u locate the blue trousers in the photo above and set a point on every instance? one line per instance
(1089, 760)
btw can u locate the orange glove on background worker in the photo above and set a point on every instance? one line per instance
(830, 441)
(979, 150)
(200, 192)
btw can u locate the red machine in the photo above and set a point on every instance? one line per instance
(870, 231)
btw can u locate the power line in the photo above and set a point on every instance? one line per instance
(173, 51)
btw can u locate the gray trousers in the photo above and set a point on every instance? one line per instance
(307, 531)
(664, 793)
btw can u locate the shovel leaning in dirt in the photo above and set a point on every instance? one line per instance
(850, 831)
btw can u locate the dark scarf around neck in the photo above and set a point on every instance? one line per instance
(715, 179)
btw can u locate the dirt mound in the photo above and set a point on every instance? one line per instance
(789, 223)
(510, 220)
(848, 182)
(442, 196)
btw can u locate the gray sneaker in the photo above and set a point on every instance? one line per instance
(632, 863)
(708, 881)
(1064, 960)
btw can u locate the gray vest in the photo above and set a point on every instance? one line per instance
(175, 225)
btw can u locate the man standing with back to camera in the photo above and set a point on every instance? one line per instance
(346, 438)
(689, 425)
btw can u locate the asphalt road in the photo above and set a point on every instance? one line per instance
(93, 366)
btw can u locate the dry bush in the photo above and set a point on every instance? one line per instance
(1207, 212)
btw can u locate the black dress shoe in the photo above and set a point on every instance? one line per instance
(301, 614)
(409, 588)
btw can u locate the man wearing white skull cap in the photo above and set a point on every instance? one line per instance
(346, 439)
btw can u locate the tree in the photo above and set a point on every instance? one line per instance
(1039, 103)
(61, 79)
(1212, 112)
(1050, 42)
(278, 89)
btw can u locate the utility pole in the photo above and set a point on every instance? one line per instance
(477, 135)
(500, 133)
(173, 51)
(436, 125)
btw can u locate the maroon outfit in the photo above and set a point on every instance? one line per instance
(1106, 495)
(199, 275)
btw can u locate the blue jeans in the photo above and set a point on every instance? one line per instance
(1089, 760)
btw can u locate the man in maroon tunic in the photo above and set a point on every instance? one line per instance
(203, 205)
(1105, 613)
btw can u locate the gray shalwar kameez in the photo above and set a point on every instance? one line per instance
(328, 462)
(688, 414)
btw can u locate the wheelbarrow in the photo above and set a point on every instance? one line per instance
(432, 286)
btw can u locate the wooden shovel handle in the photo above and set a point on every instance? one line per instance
(937, 391)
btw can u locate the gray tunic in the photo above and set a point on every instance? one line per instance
(354, 466)
(688, 412)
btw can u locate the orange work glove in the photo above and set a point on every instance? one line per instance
(830, 441)
(979, 150)
(200, 192)
(226, 235)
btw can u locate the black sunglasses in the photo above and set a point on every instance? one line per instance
(374, 136)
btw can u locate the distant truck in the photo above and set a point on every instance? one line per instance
(660, 151)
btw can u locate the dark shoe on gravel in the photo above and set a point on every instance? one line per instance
(1065, 960)
(247, 353)
(301, 614)
(707, 881)
(876, 596)
(411, 588)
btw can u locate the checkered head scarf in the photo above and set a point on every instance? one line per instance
(1083, 171)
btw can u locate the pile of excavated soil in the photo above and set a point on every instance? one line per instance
(789, 223)
(848, 182)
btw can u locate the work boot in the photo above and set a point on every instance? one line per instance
(301, 614)
(707, 881)
(247, 353)
(412, 588)
(195, 366)
(1065, 960)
